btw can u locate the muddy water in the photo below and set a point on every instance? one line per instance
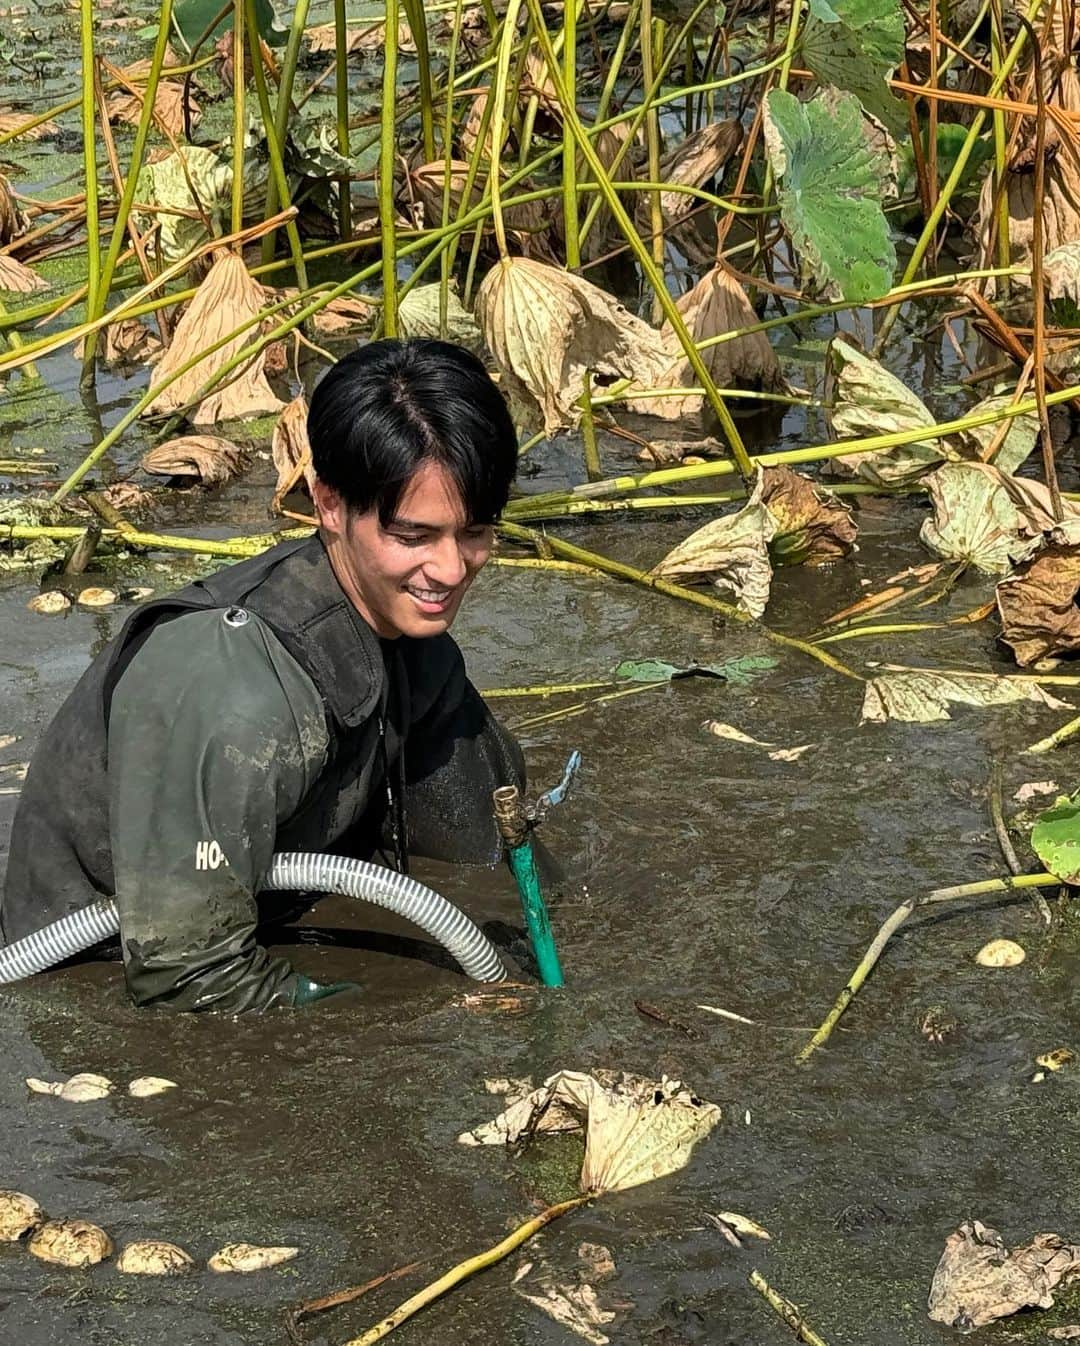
(700, 872)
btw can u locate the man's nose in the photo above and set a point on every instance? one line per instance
(449, 565)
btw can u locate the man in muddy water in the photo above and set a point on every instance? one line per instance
(310, 699)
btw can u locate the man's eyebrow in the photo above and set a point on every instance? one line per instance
(414, 524)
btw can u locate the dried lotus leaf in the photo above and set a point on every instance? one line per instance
(17, 124)
(210, 458)
(291, 450)
(366, 37)
(923, 695)
(418, 316)
(546, 327)
(71, 1243)
(17, 278)
(13, 221)
(124, 106)
(979, 1279)
(154, 1257)
(813, 526)
(1000, 953)
(19, 1215)
(147, 1086)
(245, 1257)
(695, 161)
(226, 299)
(1037, 605)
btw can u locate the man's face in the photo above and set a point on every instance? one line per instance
(407, 579)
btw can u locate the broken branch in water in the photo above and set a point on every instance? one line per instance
(791, 1313)
(468, 1268)
(895, 921)
(338, 1297)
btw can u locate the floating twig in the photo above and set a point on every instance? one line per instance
(294, 1314)
(791, 1313)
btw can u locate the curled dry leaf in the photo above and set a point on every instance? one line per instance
(813, 526)
(923, 695)
(13, 222)
(1033, 788)
(717, 304)
(418, 316)
(1037, 605)
(245, 1257)
(742, 1225)
(426, 184)
(71, 1243)
(123, 106)
(211, 459)
(635, 1129)
(574, 1306)
(95, 597)
(979, 1280)
(975, 519)
(50, 604)
(16, 122)
(154, 1257)
(546, 327)
(342, 316)
(1000, 953)
(694, 162)
(731, 552)
(1070, 1332)
(17, 278)
(147, 1086)
(867, 400)
(19, 1215)
(227, 298)
(596, 1261)
(291, 450)
(605, 234)
(369, 37)
(1056, 1060)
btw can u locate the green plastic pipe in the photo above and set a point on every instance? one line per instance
(513, 827)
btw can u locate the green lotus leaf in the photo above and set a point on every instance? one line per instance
(856, 45)
(1055, 839)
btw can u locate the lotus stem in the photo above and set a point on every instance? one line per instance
(580, 707)
(571, 222)
(655, 279)
(652, 143)
(543, 690)
(895, 921)
(239, 123)
(274, 145)
(89, 133)
(593, 468)
(1054, 740)
(238, 548)
(791, 1313)
(929, 231)
(341, 93)
(629, 26)
(1001, 196)
(282, 109)
(448, 159)
(415, 13)
(387, 160)
(569, 552)
(497, 101)
(468, 1268)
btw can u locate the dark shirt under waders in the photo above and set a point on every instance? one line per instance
(252, 712)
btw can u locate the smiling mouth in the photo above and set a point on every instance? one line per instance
(434, 599)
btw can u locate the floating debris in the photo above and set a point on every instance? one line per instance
(776, 753)
(82, 1088)
(19, 1215)
(147, 1086)
(1000, 953)
(244, 1257)
(71, 1243)
(96, 598)
(154, 1257)
(50, 604)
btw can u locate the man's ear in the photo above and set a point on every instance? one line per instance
(329, 505)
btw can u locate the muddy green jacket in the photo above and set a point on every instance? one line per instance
(252, 712)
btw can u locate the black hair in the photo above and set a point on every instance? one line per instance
(390, 406)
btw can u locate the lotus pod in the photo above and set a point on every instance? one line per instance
(226, 298)
(19, 1215)
(546, 327)
(210, 458)
(245, 1257)
(71, 1243)
(154, 1257)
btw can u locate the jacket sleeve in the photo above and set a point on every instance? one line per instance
(215, 735)
(456, 754)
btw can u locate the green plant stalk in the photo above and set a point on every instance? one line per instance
(414, 12)
(497, 103)
(97, 296)
(1054, 740)
(89, 132)
(655, 279)
(448, 159)
(649, 33)
(593, 469)
(275, 146)
(618, 56)
(609, 567)
(282, 109)
(572, 223)
(387, 231)
(929, 231)
(785, 1309)
(239, 124)
(894, 922)
(1001, 195)
(237, 548)
(341, 98)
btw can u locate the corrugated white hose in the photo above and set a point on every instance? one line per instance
(290, 871)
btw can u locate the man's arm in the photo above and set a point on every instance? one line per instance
(215, 736)
(456, 754)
